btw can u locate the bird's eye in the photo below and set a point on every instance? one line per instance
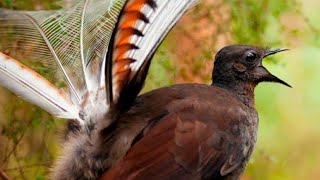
(251, 56)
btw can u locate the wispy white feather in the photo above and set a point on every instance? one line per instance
(54, 55)
(81, 45)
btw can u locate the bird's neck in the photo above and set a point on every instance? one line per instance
(245, 91)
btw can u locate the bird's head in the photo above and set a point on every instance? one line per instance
(239, 64)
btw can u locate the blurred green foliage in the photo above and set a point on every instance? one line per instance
(253, 22)
(29, 4)
(288, 144)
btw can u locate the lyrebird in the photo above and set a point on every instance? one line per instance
(102, 50)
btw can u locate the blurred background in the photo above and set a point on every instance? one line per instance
(289, 136)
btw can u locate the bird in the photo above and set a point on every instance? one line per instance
(196, 131)
(102, 51)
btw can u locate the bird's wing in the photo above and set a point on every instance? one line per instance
(65, 46)
(141, 27)
(180, 146)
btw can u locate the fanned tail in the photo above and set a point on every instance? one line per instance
(66, 46)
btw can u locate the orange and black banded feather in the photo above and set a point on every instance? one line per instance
(118, 60)
(127, 33)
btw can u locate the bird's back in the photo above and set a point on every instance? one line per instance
(186, 131)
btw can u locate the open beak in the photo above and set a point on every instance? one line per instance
(274, 51)
(264, 74)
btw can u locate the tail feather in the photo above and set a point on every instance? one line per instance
(141, 27)
(33, 87)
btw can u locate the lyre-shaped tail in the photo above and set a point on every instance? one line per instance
(91, 45)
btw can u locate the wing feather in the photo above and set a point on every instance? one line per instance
(181, 151)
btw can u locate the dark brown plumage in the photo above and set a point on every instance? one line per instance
(193, 131)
